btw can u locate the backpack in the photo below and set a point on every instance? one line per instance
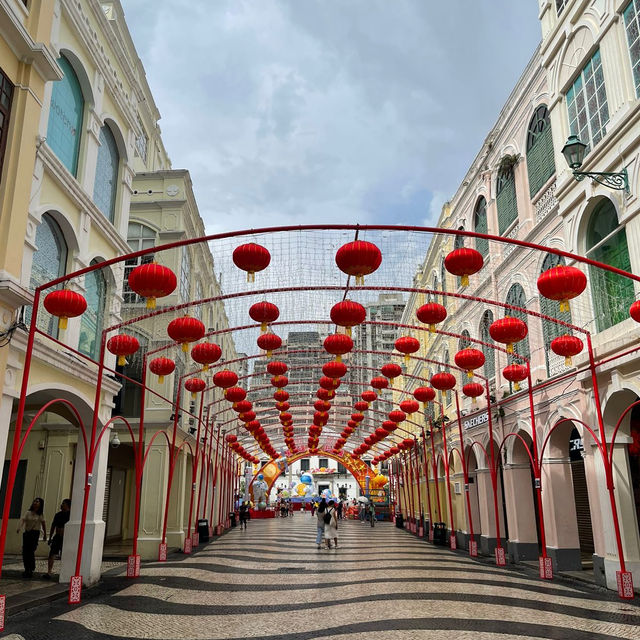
(327, 517)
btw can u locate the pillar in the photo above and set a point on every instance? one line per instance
(521, 514)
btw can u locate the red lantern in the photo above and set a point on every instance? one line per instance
(283, 406)
(247, 417)
(334, 369)
(381, 434)
(369, 396)
(443, 381)
(508, 330)
(463, 262)
(264, 312)
(379, 384)
(358, 259)
(321, 405)
(242, 406)
(64, 304)
(432, 314)
(235, 394)
(348, 314)
(409, 406)
(225, 379)
(195, 385)
(277, 368)
(473, 390)
(469, 359)
(323, 394)
(634, 310)
(562, 284)
(351, 424)
(320, 418)
(162, 367)
(251, 258)
(357, 417)
(567, 346)
(329, 383)
(394, 450)
(424, 394)
(279, 381)
(515, 373)
(122, 346)
(397, 416)
(389, 426)
(338, 344)
(408, 443)
(361, 406)
(206, 354)
(152, 281)
(285, 417)
(185, 330)
(269, 342)
(230, 438)
(391, 371)
(407, 345)
(281, 395)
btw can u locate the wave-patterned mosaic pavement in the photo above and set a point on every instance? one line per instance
(381, 583)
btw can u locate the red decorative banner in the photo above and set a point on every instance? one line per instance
(75, 589)
(162, 552)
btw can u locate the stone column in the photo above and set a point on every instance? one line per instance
(523, 536)
(487, 528)
(175, 531)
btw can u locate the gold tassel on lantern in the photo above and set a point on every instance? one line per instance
(516, 386)
(121, 361)
(151, 303)
(348, 331)
(269, 353)
(160, 379)
(185, 347)
(464, 280)
(193, 395)
(509, 347)
(470, 373)
(359, 280)
(407, 358)
(567, 361)
(338, 358)
(432, 328)
(564, 305)
(62, 323)
(251, 276)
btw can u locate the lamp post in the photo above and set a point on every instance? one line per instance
(574, 151)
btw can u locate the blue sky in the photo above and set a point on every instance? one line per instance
(312, 111)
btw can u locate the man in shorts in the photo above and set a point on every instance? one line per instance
(56, 534)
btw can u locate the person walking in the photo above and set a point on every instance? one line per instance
(56, 535)
(331, 525)
(340, 509)
(31, 522)
(243, 512)
(322, 508)
(372, 513)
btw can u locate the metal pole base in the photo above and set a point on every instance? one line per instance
(3, 608)
(187, 545)
(195, 539)
(75, 589)
(546, 567)
(625, 584)
(473, 548)
(501, 559)
(162, 552)
(453, 543)
(133, 566)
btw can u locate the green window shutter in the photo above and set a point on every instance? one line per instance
(507, 205)
(481, 226)
(540, 163)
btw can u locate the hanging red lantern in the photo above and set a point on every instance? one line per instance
(389, 426)
(369, 396)
(235, 394)
(381, 433)
(379, 384)
(334, 369)
(567, 346)
(162, 367)
(634, 310)
(338, 344)
(409, 406)
(408, 443)
(394, 450)
(152, 281)
(185, 330)
(397, 416)
(358, 259)
(432, 314)
(361, 406)
(443, 381)
(283, 406)
(351, 424)
(253, 426)
(285, 417)
(562, 284)
(264, 313)
(277, 368)
(424, 394)
(515, 373)
(357, 417)
(463, 262)
(329, 383)
(321, 405)
(407, 345)
(242, 406)
(251, 258)
(508, 330)
(391, 371)
(195, 385)
(324, 394)
(230, 438)
(64, 304)
(269, 342)
(225, 379)
(320, 418)
(279, 381)
(122, 346)
(206, 353)
(473, 390)
(281, 395)
(247, 417)
(469, 359)
(348, 314)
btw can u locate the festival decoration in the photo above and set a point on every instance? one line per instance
(123, 345)
(251, 258)
(567, 346)
(206, 353)
(634, 310)
(195, 385)
(369, 396)
(264, 313)
(359, 259)
(397, 416)
(469, 359)
(269, 342)
(235, 394)
(338, 344)
(225, 379)
(64, 304)
(348, 314)
(151, 281)
(279, 381)
(391, 371)
(379, 383)
(424, 394)
(185, 330)
(407, 345)
(432, 314)
(329, 383)
(443, 381)
(508, 330)
(515, 373)
(473, 390)
(162, 367)
(334, 369)
(409, 406)
(562, 284)
(463, 262)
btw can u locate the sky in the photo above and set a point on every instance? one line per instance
(328, 111)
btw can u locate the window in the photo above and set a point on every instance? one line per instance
(607, 242)
(49, 263)
(480, 226)
(6, 94)
(516, 298)
(105, 185)
(560, 5)
(458, 243)
(130, 394)
(465, 340)
(446, 360)
(305, 464)
(506, 197)
(197, 310)
(489, 352)
(15, 510)
(185, 274)
(540, 163)
(139, 237)
(342, 469)
(632, 27)
(65, 117)
(551, 330)
(443, 279)
(323, 462)
(142, 142)
(587, 103)
(92, 322)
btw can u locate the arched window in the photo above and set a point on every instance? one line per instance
(506, 196)
(480, 226)
(447, 360)
(197, 310)
(489, 353)
(458, 243)
(92, 322)
(65, 117)
(540, 163)
(607, 242)
(185, 275)
(436, 287)
(443, 280)
(105, 185)
(49, 263)
(465, 340)
(632, 27)
(551, 330)
(139, 237)
(516, 298)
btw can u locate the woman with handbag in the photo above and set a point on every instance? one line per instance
(331, 525)
(320, 513)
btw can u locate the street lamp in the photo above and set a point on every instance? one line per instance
(574, 151)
